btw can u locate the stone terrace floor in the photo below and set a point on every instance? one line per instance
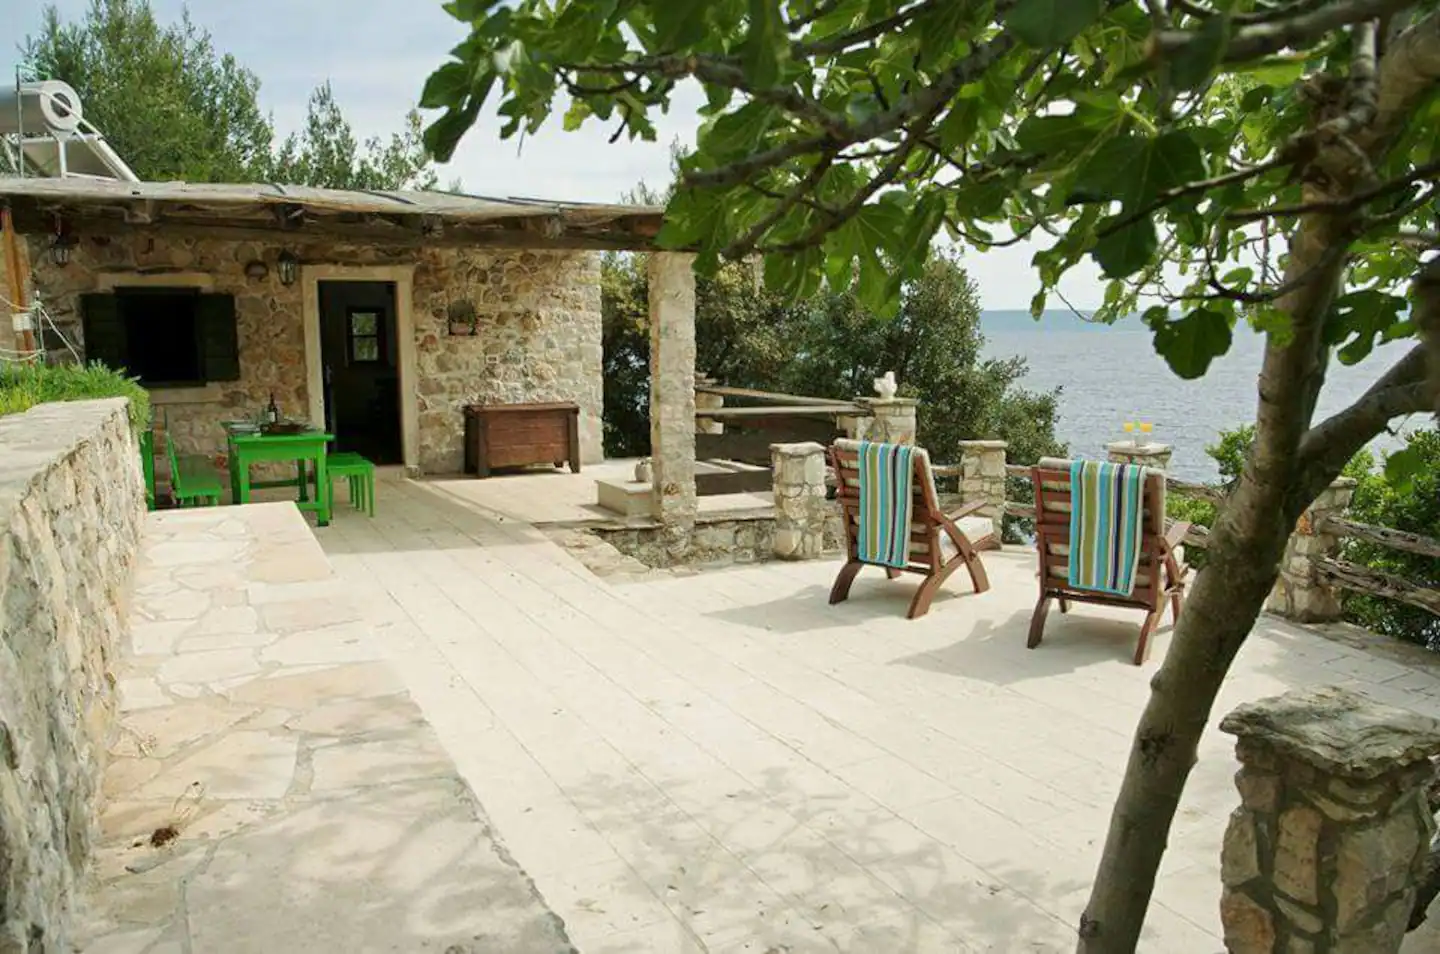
(272, 788)
(722, 762)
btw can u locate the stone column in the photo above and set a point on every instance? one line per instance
(707, 402)
(798, 471)
(1150, 454)
(982, 477)
(892, 420)
(672, 398)
(1327, 849)
(1299, 593)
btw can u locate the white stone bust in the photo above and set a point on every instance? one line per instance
(886, 386)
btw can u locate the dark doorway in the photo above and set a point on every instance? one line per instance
(362, 378)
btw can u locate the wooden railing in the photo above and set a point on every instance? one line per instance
(768, 417)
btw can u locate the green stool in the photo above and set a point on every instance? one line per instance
(361, 474)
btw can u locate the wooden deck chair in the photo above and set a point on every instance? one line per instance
(939, 543)
(1160, 574)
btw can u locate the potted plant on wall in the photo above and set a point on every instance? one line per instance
(462, 318)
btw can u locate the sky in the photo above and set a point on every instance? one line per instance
(377, 55)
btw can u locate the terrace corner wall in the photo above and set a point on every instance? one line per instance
(71, 506)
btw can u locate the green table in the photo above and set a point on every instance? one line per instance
(249, 449)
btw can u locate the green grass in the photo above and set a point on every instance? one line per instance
(23, 387)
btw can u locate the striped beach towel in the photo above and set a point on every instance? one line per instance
(886, 477)
(1105, 524)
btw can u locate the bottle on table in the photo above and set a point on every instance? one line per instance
(272, 412)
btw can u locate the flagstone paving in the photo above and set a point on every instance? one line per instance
(722, 762)
(691, 762)
(273, 787)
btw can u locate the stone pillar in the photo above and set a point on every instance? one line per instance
(891, 421)
(982, 477)
(1150, 454)
(707, 402)
(672, 398)
(1327, 849)
(798, 472)
(1299, 593)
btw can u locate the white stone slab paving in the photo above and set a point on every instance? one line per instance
(724, 762)
(272, 787)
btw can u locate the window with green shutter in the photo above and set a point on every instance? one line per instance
(103, 328)
(175, 337)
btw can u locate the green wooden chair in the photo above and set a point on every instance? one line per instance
(361, 474)
(193, 479)
(147, 465)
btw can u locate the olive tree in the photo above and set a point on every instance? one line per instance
(1269, 164)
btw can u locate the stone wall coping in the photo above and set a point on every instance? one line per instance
(984, 445)
(800, 449)
(1148, 449)
(1343, 483)
(39, 436)
(1337, 731)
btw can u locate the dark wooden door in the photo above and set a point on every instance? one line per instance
(361, 367)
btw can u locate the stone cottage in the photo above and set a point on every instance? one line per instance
(380, 314)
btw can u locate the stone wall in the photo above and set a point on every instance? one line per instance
(716, 541)
(538, 340)
(71, 504)
(1326, 852)
(538, 329)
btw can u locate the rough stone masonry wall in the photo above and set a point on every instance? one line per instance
(1326, 853)
(538, 340)
(538, 330)
(71, 504)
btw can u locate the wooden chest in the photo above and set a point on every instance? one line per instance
(514, 435)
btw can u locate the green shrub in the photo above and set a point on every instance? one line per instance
(1229, 456)
(1415, 508)
(24, 386)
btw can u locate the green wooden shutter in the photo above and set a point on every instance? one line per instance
(104, 330)
(219, 341)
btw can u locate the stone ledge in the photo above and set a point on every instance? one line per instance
(1337, 731)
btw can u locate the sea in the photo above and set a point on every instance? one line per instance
(1110, 374)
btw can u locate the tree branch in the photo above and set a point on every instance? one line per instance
(862, 35)
(1328, 446)
(917, 104)
(1191, 188)
(1429, 170)
(1256, 40)
(1408, 71)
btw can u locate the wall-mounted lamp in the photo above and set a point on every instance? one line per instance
(288, 268)
(63, 242)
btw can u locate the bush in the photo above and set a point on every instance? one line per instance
(1413, 507)
(24, 386)
(1229, 455)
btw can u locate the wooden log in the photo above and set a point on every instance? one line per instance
(1362, 579)
(777, 397)
(1384, 536)
(733, 482)
(1186, 488)
(789, 410)
(1197, 537)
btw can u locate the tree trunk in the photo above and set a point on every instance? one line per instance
(1228, 595)
(1241, 566)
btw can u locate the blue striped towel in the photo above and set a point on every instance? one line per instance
(887, 475)
(1105, 524)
